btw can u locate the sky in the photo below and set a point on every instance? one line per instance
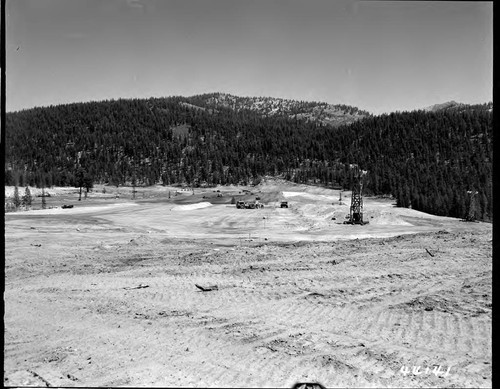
(380, 56)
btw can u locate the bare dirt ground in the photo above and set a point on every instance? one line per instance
(104, 294)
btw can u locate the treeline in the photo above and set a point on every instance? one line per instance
(428, 160)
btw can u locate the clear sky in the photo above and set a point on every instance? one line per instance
(379, 56)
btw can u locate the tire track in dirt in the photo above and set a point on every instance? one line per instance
(426, 330)
(421, 329)
(405, 324)
(416, 328)
(486, 338)
(455, 328)
(368, 325)
(353, 316)
(259, 361)
(362, 356)
(383, 330)
(471, 339)
(289, 373)
(399, 329)
(445, 327)
(135, 346)
(318, 314)
(441, 328)
(368, 362)
(372, 363)
(461, 336)
(259, 366)
(228, 292)
(309, 310)
(239, 366)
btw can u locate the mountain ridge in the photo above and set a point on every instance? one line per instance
(453, 105)
(319, 112)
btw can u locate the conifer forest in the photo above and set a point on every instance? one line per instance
(427, 160)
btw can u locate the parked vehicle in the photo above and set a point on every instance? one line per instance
(249, 205)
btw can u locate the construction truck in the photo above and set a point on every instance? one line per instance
(258, 204)
(254, 205)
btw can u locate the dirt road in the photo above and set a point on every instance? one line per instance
(106, 296)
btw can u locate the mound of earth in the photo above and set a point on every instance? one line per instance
(190, 207)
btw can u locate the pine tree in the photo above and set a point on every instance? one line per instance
(88, 183)
(44, 202)
(9, 178)
(79, 181)
(26, 201)
(17, 199)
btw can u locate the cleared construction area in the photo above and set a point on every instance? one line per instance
(191, 291)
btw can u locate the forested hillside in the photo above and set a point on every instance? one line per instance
(319, 112)
(425, 159)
